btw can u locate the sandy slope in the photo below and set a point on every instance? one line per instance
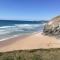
(34, 41)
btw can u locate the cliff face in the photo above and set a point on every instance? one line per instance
(53, 26)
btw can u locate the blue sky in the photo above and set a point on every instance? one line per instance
(29, 9)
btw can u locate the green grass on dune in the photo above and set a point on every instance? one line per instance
(36, 54)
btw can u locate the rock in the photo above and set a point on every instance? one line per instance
(52, 27)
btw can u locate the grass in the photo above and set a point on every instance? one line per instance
(36, 54)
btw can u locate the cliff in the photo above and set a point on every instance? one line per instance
(53, 26)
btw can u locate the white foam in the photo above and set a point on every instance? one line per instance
(9, 37)
(27, 26)
(6, 26)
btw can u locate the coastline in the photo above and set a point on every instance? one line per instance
(34, 41)
(15, 36)
(13, 39)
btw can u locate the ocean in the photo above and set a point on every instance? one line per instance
(13, 28)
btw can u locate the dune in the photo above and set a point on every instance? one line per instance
(34, 41)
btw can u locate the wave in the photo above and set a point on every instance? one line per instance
(12, 30)
(26, 26)
(18, 27)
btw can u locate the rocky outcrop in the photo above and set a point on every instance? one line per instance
(52, 27)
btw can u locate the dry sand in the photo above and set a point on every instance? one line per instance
(34, 41)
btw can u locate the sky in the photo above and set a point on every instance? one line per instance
(29, 9)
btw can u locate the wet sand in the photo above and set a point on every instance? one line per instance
(34, 41)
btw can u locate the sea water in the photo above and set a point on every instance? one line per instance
(13, 28)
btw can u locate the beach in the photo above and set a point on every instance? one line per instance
(34, 41)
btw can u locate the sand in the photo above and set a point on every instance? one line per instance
(34, 41)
